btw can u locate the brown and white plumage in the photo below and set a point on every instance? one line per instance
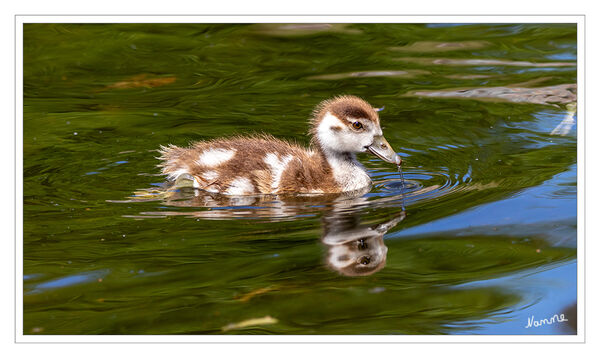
(262, 164)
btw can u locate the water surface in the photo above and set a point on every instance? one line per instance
(484, 117)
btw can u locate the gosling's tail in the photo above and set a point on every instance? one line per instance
(172, 164)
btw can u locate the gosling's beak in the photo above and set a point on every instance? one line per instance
(381, 148)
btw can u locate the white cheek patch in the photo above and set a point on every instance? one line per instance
(324, 132)
(214, 157)
(277, 167)
(340, 256)
(240, 186)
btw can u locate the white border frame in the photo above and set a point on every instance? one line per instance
(21, 338)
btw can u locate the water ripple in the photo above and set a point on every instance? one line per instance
(66, 281)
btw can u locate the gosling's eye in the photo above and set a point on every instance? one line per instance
(357, 125)
(362, 245)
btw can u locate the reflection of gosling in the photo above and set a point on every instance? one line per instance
(356, 250)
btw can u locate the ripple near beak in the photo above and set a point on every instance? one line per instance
(381, 148)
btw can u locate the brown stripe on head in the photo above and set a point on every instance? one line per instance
(344, 107)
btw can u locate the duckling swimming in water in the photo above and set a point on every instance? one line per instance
(340, 128)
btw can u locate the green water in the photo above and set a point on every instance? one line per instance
(489, 233)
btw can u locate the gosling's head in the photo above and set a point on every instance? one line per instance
(358, 252)
(348, 124)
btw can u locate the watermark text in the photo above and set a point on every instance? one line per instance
(532, 322)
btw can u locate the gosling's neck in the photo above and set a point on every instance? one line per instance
(347, 171)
